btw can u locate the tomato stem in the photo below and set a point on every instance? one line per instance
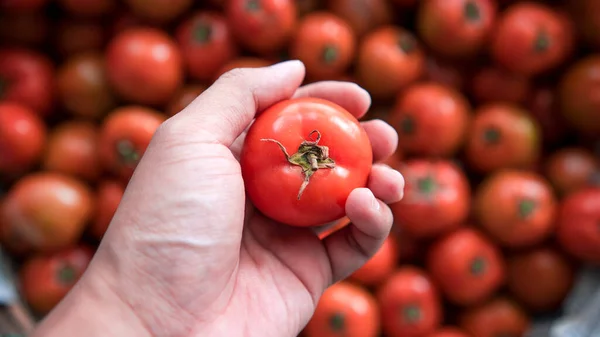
(407, 43)
(127, 152)
(491, 135)
(478, 266)
(202, 32)
(337, 322)
(472, 12)
(411, 313)
(330, 54)
(542, 41)
(66, 274)
(526, 207)
(310, 157)
(253, 5)
(407, 125)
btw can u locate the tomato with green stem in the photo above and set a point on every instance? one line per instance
(497, 317)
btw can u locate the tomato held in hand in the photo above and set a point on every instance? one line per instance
(108, 198)
(380, 266)
(497, 317)
(362, 15)
(46, 279)
(328, 155)
(125, 135)
(345, 310)
(578, 221)
(494, 84)
(409, 304)
(183, 98)
(578, 95)
(436, 198)
(570, 169)
(467, 267)
(159, 11)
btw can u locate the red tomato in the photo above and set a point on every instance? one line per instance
(46, 279)
(497, 317)
(531, 38)
(570, 169)
(263, 26)
(45, 211)
(108, 198)
(380, 266)
(431, 120)
(83, 86)
(362, 15)
(467, 267)
(125, 135)
(22, 5)
(184, 97)
(517, 208)
(74, 37)
(389, 59)
(344, 310)
(243, 62)
(24, 29)
(22, 138)
(409, 304)
(325, 44)
(159, 10)
(448, 332)
(144, 65)
(308, 128)
(26, 77)
(502, 136)
(88, 8)
(542, 105)
(493, 84)
(578, 222)
(436, 198)
(72, 149)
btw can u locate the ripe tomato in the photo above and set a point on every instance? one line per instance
(517, 208)
(22, 138)
(184, 97)
(27, 77)
(409, 304)
(362, 15)
(497, 317)
(294, 191)
(206, 44)
(325, 44)
(578, 222)
(45, 211)
(436, 198)
(493, 84)
(46, 279)
(29, 29)
(570, 169)
(108, 197)
(83, 86)
(88, 8)
(22, 5)
(531, 38)
(263, 26)
(542, 105)
(243, 62)
(448, 332)
(74, 37)
(159, 11)
(467, 267)
(380, 266)
(540, 279)
(456, 28)
(138, 72)
(431, 120)
(72, 149)
(578, 95)
(502, 136)
(389, 59)
(125, 135)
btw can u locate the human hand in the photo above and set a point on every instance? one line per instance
(187, 255)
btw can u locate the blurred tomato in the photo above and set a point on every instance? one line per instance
(144, 65)
(456, 28)
(497, 317)
(108, 197)
(24, 29)
(74, 37)
(159, 10)
(72, 149)
(83, 87)
(206, 44)
(183, 98)
(448, 332)
(45, 280)
(389, 59)
(88, 8)
(362, 15)
(409, 304)
(494, 84)
(22, 5)
(570, 169)
(542, 105)
(445, 72)
(325, 44)
(431, 120)
(243, 62)
(578, 223)
(467, 267)
(345, 310)
(26, 77)
(380, 266)
(22, 138)
(436, 198)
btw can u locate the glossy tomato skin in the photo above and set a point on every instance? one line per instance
(83, 86)
(108, 197)
(325, 44)
(431, 120)
(380, 266)
(36, 215)
(502, 136)
(46, 279)
(362, 15)
(72, 149)
(138, 73)
(27, 78)
(578, 220)
(409, 304)
(22, 138)
(456, 28)
(273, 184)
(206, 44)
(124, 136)
(243, 62)
(497, 317)
(80, 36)
(516, 208)
(436, 199)
(571, 168)
(467, 267)
(183, 98)
(448, 332)
(88, 8)
(263, 26)
(159, 11)
(494, 84)
(532, 38)
(389, 59)
(578, 95)
(345, 309)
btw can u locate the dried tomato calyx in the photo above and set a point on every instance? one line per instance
(310, 157)
(127, 152)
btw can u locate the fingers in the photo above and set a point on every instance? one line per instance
(383, 137)
(386, 183)
(348, 95)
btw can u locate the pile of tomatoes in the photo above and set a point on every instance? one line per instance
(496, 103)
